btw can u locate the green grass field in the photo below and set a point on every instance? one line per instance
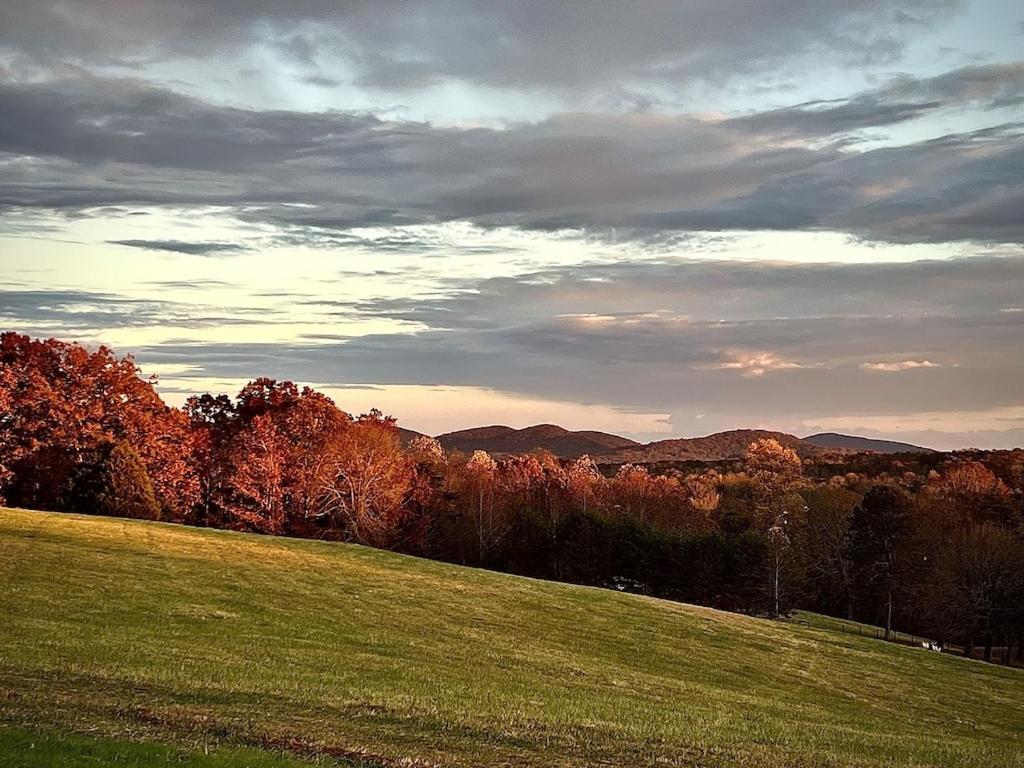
(137, 644)
(818, 621)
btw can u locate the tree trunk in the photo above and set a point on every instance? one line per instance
(776, 585)
(988, 648)
(888, 611)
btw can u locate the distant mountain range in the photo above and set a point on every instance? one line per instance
(721, 445)
(613, 449)
(835, 440)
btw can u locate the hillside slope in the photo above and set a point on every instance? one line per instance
(122, 631)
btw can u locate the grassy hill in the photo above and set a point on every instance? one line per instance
(148, 644)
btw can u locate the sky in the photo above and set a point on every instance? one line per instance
(660, 219)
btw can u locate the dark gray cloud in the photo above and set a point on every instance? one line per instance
(53, 312)
(524, 44)
(642, 174)
(989, 86)
(180, 246)
(76, 310)
(711, 291)
(187, 285)
(322, 81)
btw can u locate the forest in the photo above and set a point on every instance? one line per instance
(929, 544)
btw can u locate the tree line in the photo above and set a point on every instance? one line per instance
(934, 547)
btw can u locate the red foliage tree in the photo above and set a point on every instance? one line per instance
(65, 403)
(252, 496)
(6, 451)
(262, 459)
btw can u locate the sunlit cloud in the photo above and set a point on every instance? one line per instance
(899, 365)
(751, 364)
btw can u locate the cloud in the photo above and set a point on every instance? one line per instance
(71, 312)
(750, 363)
(731, 340)
(494, 45)
(321, 81)
(189, 285)
(178, 246)
(900, 100)
(318, 175)
(899, 365)
(717, 345)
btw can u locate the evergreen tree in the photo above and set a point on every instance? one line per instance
(126, 490)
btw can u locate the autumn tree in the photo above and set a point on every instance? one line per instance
(262, 459)
(777, 474)
(367, 484)
(252, 496)
(481, 471)
(630, 491)
(772, 465)
(6, 416)
(308, 424)
(426, 450)
(584, 482)
(702, 491)
(970, 492)
(64, 403)
(212, 423)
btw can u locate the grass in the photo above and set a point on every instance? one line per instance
(26, 749)
(211, 648)
(853, 627)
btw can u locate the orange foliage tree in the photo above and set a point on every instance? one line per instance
(368, 481)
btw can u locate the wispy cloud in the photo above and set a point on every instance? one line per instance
(751, 364)
(899, 365)
(179, 246)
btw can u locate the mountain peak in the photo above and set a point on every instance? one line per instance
(558, 440)
(543, 431)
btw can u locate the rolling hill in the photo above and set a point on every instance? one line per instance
(560, 441)
(860, 444)
(149, 644)
(406, 436)
(721, 445)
